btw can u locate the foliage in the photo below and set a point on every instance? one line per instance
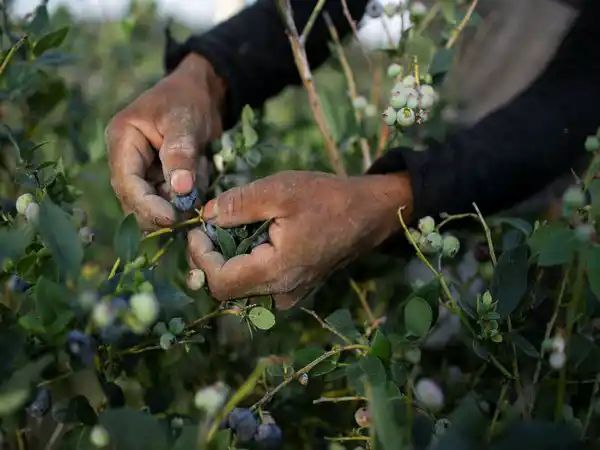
(108, 342)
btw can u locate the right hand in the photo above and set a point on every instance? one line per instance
(154, 143)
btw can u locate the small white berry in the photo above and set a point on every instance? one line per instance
(418, 9)
(195, 279)
(406, 117)
(144, 307)
(426, 225)
(23, 201)
(360, 102)
(426, 101)
(99, 436)
(398, 100)
(211, 398)
(389, 116)
(557, 360)
(412, 101)
(394, 70)
(362, 416)
(371, 110)
(167, 340)
(558, 344)
(429, 394)
(408, 81)
(102, 315)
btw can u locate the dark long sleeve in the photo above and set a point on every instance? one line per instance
(518, 149)
(252, 53)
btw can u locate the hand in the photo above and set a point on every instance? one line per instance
(177, 117)
(320, 223)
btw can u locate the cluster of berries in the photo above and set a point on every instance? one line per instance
(488, 317)
(431, 242)
(168, 332)
(376, 9)
(556, 346)
(411, 100)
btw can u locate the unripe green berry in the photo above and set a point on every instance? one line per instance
(406, 117)
(486, 270)
(408, 81)
(360, 102)
(426, 225)
(418, 9)
(592, 143)
(99, 436)
(413, 355)
(584, 232)
(450, 246)
(218, 162)
(167, 340)
(394, 70)
(144, 307)
(228, 154)
(211, 398)
(32, 213)
(371, 110)
(412, 102)
(159, 329)
(426, 89)
(195, 279)
(79, 217)
(398, 100)
(574, 197)
(427, 78)
(415, 234)
(23, 201)
(389, 116)
(102, 315)
(426, 101)
(435, 241)
(176, 325)
(487, 300)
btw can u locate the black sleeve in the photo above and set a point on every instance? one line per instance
(517, 150)
(252, 53)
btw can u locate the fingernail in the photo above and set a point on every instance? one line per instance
(211, 210)
(182, 181)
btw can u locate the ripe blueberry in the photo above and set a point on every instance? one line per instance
(40, 404)
(268, 436)
(374, 9)
(17, 284)
(186, 202)
(243, 423)
(81, 346)
(211, 232)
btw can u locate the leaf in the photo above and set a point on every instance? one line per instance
(50, 40)
(261, 318)
(594, 190)
(250, 136)
(341, 321)
(593, 271)
(418, 316)
(133, 430)
(304, 356)
(423, 48)
(171, 299)
(50, 298)
(127, 239)
(247, 242)
(524, 345)
(61, 238)
(75, 410)
(13, 244)
(510, 279)
(381, 347)
(515, 222)
(442, 61)
(15, 391)
(553, 244)
(226, 242)
(448, 8)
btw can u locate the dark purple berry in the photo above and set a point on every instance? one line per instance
(481, 252)
(211, 232)
(374, 9)
(40, 405)
(17, 284)
(186, 202)
(260, 239)
(268, 436)
(243, 423)
(81, 346)
(112, 334)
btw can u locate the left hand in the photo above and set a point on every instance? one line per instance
(320, 223)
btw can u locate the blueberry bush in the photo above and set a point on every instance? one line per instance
(482, 338)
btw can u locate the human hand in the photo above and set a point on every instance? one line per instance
(155, 142)
(320, 222)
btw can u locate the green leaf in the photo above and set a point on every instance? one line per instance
(261, 318)
(593, 271)
(304, 356)
(15, 391)
(341, 321)
(247, 242)
(553, 244)
(50, 298)
(127, 239)
(524, 345)
(423, 48)
(61, 238)
(226, 242)
(448, 11)
(13, 244)
(133, 430)
(594, 190)
(515, 222)
(442, 61)
(381, 347)
(510, 279)
(50, 40)
(250, 136)
(418, 316)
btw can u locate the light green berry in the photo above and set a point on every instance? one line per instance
(211, 398)
(415, 234)
(405, 117)
(426, 89)
(426, 225)
(426, 101)
(487, 300)
(389, 116)
(450, 246)
(398, 100)
(408, 81)
(418, 9)
(23, 201)
(412, 102)
(144, 307)
(176, 325)
(167, 340)
(371, 110)
(99, 436)
(360, 102)
(592, 143)
(394, 70)
(435, 241)
(574, 197)
(218, 162)
(195, 279)
(102, 315)
(390, 9)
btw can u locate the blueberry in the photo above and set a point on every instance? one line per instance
(405, 117)
(40, 404)
(99, 436)
(268, 436)
(426, 225)
(211, 232)
(17, 284)
(112, 334)
(176, 325)
(450, 246)
(86, 235)
(390, 116)
(186, 202)
(374, 9)
(81, 346)
(243, 423)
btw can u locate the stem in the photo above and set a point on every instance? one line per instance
(270, 394)
(11, 53)
(347, 438)
(488, 235)
(497, 411)
(590, 410)
(55, 436)
(161, 251)
(326, 325)
(363, 301)
(114, 269)
(435, 8)
(352, 398)
(515, 368)
(352, 24)
(311, 21)
(301, 60)
(456, 32)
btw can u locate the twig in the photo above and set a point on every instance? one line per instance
(11, 53)
(301, 60)
(456, 32)
(590, 410)
(161, 251)
(363, 301)
(311, 21)
(336, 351)
(435, 8)
(351, 398)
(488, 235)
(515, 368)
(114, 269)
(352, 24)
(326, 325)
(55, 436)
(490, 432)
(347, 438)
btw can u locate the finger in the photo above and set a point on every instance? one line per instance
(259, 200)
(289, 299)
(150, 209)
(240, 276)
(179, 150)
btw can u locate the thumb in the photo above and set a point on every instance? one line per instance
(178, 155)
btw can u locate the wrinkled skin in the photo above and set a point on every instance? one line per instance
(155, 144)
(320, 223)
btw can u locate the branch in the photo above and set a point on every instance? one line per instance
(456, 32)
(311, 21)
(301, 60)
(326, 325)
(352, 24)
